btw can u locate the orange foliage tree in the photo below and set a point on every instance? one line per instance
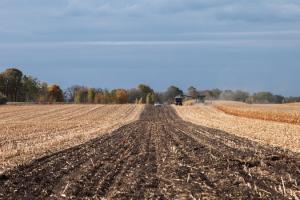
(55, 94)
(121, 96)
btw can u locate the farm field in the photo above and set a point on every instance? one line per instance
(289, 113)
(284, 135)
(31, 131)
(159, 156)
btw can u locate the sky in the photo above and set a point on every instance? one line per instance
(227, 44)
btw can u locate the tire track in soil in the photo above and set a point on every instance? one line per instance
(159, 157)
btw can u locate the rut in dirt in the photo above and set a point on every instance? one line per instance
(159, 157)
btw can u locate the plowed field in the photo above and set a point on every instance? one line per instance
(159, 157)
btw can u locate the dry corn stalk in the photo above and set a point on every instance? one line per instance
(289, 113)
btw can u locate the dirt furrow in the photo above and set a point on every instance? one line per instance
(94, 167)
(234, 175)
(181, 177)
(257, 169)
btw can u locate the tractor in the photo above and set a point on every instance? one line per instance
(179, 99)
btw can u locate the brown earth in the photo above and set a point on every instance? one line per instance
(159, 157)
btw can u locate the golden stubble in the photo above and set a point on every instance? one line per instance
(273, 133)
(31, 131)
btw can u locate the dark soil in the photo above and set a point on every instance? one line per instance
(159, 157)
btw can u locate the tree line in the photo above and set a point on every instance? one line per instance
(81, 94)
(18, 87)
(142, 94)
(242, 96)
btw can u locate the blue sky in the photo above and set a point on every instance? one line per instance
(230, 44)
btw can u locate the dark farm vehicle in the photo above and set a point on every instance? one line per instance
(179, 99)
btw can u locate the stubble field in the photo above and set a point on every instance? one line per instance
(267, 131)
(31, 131)
(156, 156)
(289, 113)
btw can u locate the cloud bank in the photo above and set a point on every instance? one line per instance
(41, 20)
